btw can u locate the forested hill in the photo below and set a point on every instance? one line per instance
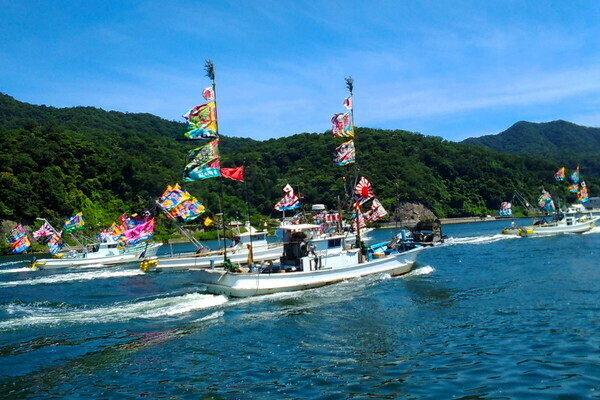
(566, 143)
(54, 162)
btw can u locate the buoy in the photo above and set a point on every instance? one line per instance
(147, 265)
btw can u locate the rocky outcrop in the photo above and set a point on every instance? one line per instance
(408, 214)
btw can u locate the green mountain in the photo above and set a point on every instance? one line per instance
(57, 161)
(565, 143)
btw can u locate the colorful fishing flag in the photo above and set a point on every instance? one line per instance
(44, 232)
(545, 202)
(141, 232)
(203, 162)
(575, 175)
(348, 103)
(363, 192)
(74, 223)
(342, 125)
(202, 122)
(20, 245)
(16, 233)
(192, 209)
(344, 154)
(574, 188)
(505, 209)
(211, 169)
(376, 211)
(208, 221)
(237, 173)
(289, 201)
(171, 198)
(208, 94)
(582, 195)
(55, 243)
(560, 174)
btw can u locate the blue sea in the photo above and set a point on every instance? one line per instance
(483, 316)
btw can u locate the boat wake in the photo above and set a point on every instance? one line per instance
(478, 239)
(424, 270)
(35, 315)
(595, 229)
(70, 277)
(15, 270)
(13, 263)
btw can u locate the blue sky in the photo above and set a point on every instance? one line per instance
(454, 69)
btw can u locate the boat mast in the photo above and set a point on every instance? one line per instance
(350, 86)
(209, 68)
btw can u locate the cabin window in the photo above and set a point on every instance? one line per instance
(334, 243)
(112, 246)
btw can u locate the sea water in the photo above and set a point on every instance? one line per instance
(483, 316)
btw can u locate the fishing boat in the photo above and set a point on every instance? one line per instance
(574, 220)
(309, 260)
(97, 255)
(247, 247)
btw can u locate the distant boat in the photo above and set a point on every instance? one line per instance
(575, 219)
(99, 254)
(309, 260)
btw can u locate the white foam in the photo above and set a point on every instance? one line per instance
(74, 276)
(149, 309)
(478, 239)
(424, 270)
(13, 270)
(595, 229)
(13, 263)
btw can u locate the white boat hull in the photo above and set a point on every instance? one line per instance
(184, 263)
(558, 228)
(90, 260)
(252, 284)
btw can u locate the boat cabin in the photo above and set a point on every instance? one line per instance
(303, 247)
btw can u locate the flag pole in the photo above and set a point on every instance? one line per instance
(209, 68)
(350, 86)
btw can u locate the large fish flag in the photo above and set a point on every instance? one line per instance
(560, 174)
(44, 232)
(20, 245)
(582, 195)
(545, 202)
(16, 233)
(55, 243)
(188, 210)
(237, 173)
(74, 223)
(172, 197)
(376, 211)
(342, 125)
(289, 201)
(202, 122)
(203, 162)
(575, 175)
(143, 231)
(363, 192)
(344, 154)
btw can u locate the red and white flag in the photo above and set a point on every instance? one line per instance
(208, 94)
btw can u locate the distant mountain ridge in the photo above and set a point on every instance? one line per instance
(564, 142)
